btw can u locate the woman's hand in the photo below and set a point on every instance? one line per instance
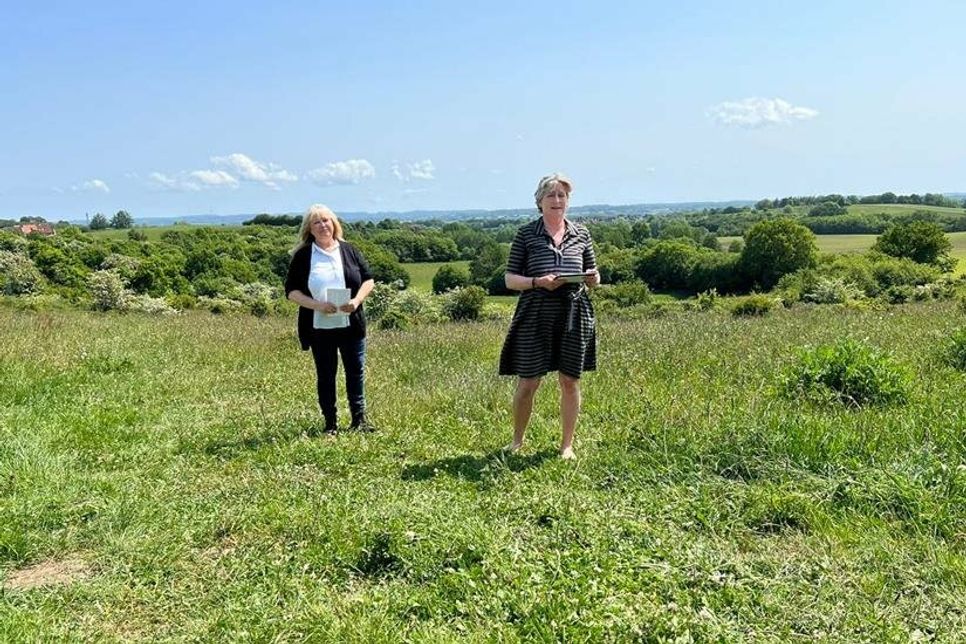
(327, 308)
(350, 306)
(548, 282)
(593, 278)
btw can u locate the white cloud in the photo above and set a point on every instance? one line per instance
(94, 185)
(214, 178)
(347, 172)
(248, 169)
(759, 112)
(419, 170)
(174, 184)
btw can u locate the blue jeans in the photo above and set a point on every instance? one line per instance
(325, 344)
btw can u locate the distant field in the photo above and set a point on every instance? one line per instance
(422, 273)
(898, 209)
(861, 243)
(153, 232)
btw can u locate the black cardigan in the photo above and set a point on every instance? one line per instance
(356, 271)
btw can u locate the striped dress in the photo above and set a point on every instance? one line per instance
(551, 330)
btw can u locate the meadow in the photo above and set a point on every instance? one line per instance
(862, 243)
(160, 479)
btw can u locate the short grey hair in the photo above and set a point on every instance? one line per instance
(550, 182)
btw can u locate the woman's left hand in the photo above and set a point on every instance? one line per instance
(592, 279)
(349, 307)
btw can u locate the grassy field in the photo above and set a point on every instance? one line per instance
(153, 232)
(422, 273)
(861, 243)
(897, 209)
(158, 481)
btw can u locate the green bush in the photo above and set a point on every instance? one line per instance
(754, 304)
(899, 294)
(833, 290)
(464, 303)
(380, 300)
(449, 277)
(624, 294)
(18, 275)
(849, 373)
(707, 300)
(954, 353)
(393, 321)
(107, 290)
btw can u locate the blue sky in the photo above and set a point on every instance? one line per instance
(184, 108)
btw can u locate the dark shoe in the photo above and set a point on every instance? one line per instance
(361, 424)
(331, 427)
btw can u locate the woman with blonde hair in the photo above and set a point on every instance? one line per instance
(329, 279)
(552, 263)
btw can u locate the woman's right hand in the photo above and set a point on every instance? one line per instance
(327, 307)
(548, 282)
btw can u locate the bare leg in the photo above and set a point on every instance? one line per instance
(569, 410)
(522, 408)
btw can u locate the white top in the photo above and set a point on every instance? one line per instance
(325, 275)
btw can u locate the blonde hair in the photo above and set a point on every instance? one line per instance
(550, 182)
(318, 211)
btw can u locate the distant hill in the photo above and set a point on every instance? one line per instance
(603, 210)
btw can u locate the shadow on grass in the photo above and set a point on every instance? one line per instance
(475, 468)
(227, 448)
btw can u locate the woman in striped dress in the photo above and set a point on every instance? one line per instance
(553, 328)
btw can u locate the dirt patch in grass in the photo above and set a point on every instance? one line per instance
(48, 573)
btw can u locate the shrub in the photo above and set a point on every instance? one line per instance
(107, 290)
(464, 303)
(847, 372)
(667, 264)
(220, 305)
(833, 290)
(449, 277)
(707, 300)
(889, 272)
(260, 299)
(18, 275)
(827, 209)
(921, 241)
(624, 294)
(754, 304)
(793, 287)
(776, 247)
(393, 320)
(148, 304)
(417, 307)
(380, 300)
(899, 294)
(954, 353)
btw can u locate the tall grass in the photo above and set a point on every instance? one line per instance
(172, 456)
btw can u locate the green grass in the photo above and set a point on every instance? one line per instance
(170, 456)
(862, 243)
(153, 232)
(422, 273)
(898, 209)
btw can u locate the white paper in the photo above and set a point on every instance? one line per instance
(338, 320)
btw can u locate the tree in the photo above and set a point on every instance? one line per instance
(774, 248)
(449, 277)
(921, 241)
(122, 219)
(99, 222)
(490, 259)
(827, 209)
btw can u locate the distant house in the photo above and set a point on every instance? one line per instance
(27, 229)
